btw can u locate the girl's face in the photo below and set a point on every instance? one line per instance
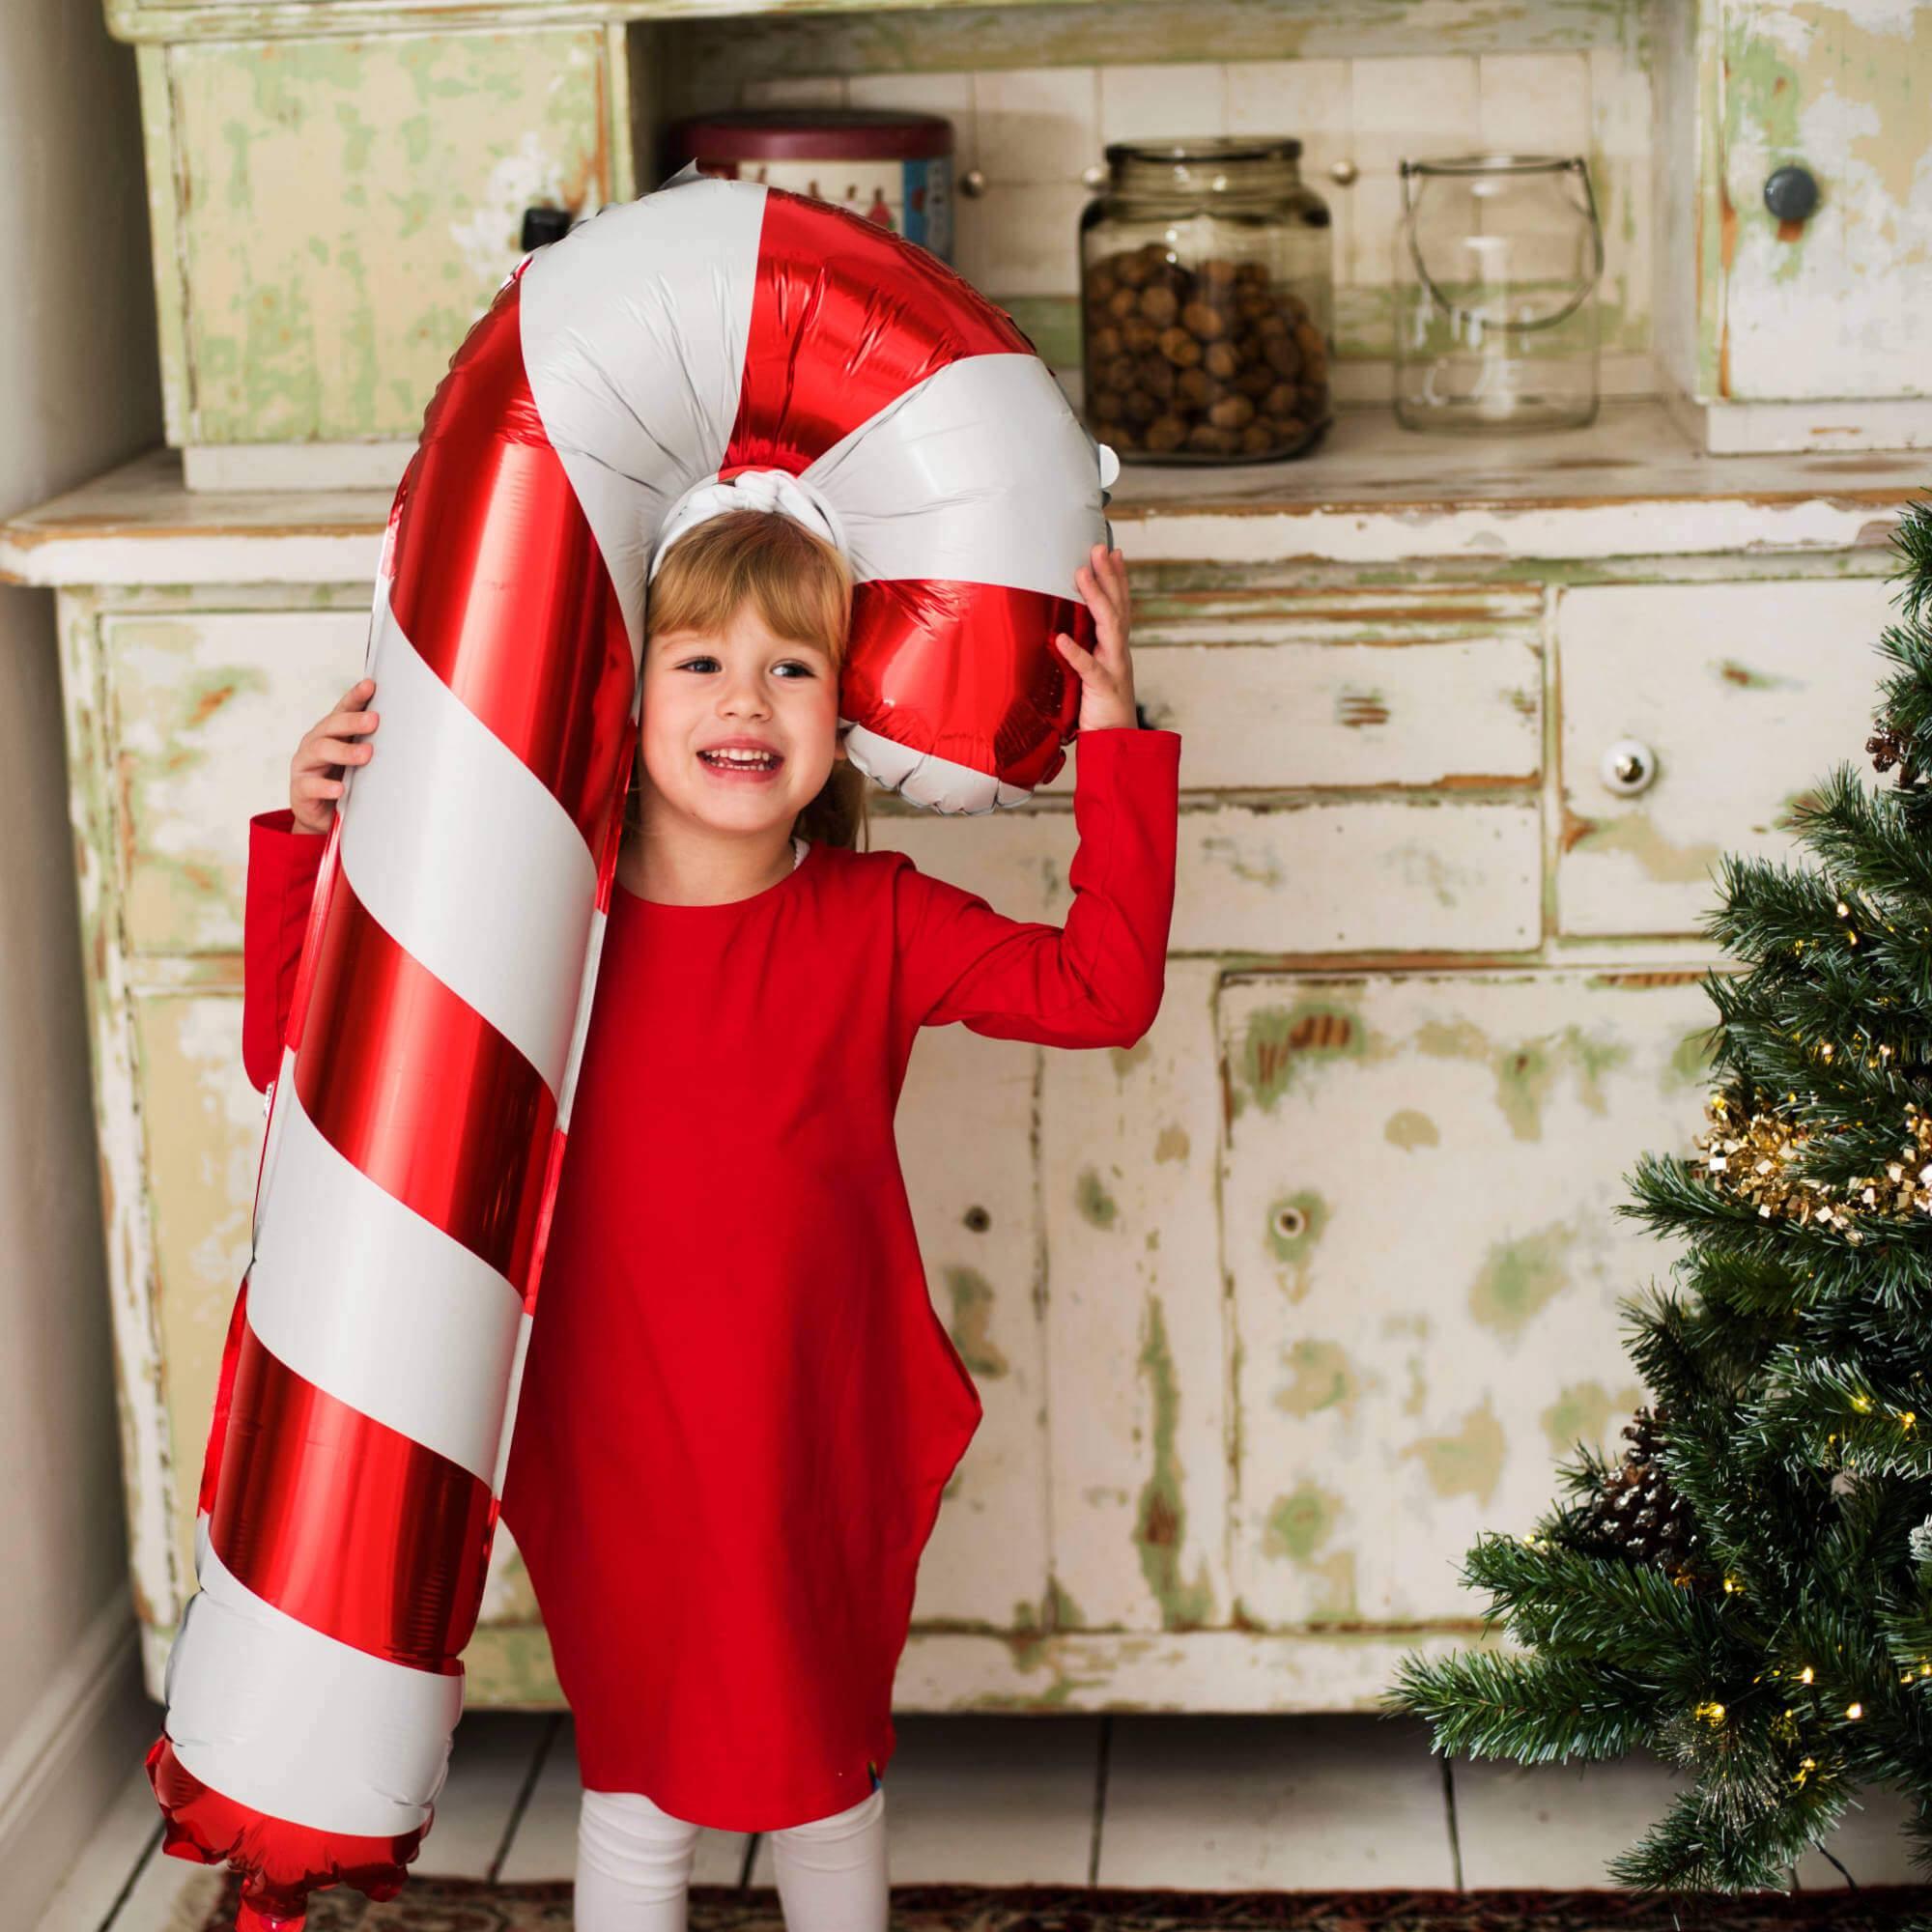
(739, 727)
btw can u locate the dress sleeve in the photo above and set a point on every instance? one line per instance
(1095, 981)
(282, 868)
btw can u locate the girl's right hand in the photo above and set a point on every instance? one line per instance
(316, 771)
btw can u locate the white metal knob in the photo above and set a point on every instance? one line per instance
(1627, 767)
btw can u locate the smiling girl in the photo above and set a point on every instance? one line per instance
(740, 1407)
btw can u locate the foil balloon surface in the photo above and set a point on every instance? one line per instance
(368, 1387)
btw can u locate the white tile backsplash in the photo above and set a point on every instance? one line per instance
(1037, 124)
(791, 90)
(1034, 131)
(1163, 101)
(947, 93)
(1534, 103)
(1414, 105)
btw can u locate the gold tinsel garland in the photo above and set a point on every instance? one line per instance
(1749, 1157)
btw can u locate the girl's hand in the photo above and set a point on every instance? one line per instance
(1106, 671)
(315, 771)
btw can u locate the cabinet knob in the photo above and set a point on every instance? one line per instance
(1791, 192)
(1629, 766)
(973, 183)
(1343, 173)
(543, 226)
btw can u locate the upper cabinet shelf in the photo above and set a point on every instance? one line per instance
(338, 186)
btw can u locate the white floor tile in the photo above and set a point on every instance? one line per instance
(121, 1841)
(168, 1894)
(985, 1800)
(1554, 1825)
(493, 1754)
(545, 1845)
(1289, 1804)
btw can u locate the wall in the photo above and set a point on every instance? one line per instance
(77, 372)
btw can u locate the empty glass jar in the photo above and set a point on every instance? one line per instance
(1207, 297)
(1497, 263)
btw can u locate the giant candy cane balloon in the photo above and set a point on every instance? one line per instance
(368, 1389)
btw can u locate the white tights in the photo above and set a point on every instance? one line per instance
(634, 1866)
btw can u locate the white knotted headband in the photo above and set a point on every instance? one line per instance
(751, 490)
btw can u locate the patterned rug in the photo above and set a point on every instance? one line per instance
(472, 1904)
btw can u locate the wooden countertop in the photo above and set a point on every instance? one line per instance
(1631, 484)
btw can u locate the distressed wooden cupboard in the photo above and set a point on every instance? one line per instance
(1273, 1312)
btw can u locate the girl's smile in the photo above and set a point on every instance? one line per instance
(742, 760)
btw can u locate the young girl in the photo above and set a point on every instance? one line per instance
(739, 1406)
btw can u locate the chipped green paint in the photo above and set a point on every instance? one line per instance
(1279, 1042)
(1744, 678)
(1293, 1228)
(1519, 1276)
(1297, 1525)
(1095, 1203)
(1466, 1463)
(1161, 1517)
(1409, 1128)
(1529, 1073)
(1690, 1063)
(1324, 1377)
(1061, 1612)
(1582, 1412)
(1229, 852)
(1172, 1143)
(1636, 834)
(1126, 1058)
(972, 1295)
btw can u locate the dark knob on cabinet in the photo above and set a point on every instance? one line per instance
(543, 225)
(1791, 192)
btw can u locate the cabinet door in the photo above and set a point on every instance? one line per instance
(1742, 695)
(1834, 304)
(1417, 1184)
(332, 216)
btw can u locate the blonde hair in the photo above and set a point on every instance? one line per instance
(802, 587)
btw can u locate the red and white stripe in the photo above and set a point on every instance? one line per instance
(369, 1386)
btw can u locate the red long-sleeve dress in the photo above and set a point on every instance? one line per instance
(740, 1407)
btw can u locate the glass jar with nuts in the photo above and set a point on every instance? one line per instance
(1207, 300)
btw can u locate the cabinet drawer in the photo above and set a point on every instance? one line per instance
(206, 711)
(1344, 689)
(1417, 1184)
(330, 215)
(1425, 875)
(1746, 694)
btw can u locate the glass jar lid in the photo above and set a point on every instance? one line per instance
(1232, 165)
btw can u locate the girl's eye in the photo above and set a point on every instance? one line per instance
(705, 661)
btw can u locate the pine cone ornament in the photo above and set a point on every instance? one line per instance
(1636, 1515)
(1890, 747)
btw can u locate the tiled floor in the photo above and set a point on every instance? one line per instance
(1238, 1802)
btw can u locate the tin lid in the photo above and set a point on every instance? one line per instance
(813, 134)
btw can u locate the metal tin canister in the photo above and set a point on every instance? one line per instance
(892, 168)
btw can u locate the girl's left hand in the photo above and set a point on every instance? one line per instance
(1106, 671)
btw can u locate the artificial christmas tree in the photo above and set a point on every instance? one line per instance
(1749, 1596)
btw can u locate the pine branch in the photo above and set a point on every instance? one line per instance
(1532, 1709)
(1859, 837)
(1565, 1604)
